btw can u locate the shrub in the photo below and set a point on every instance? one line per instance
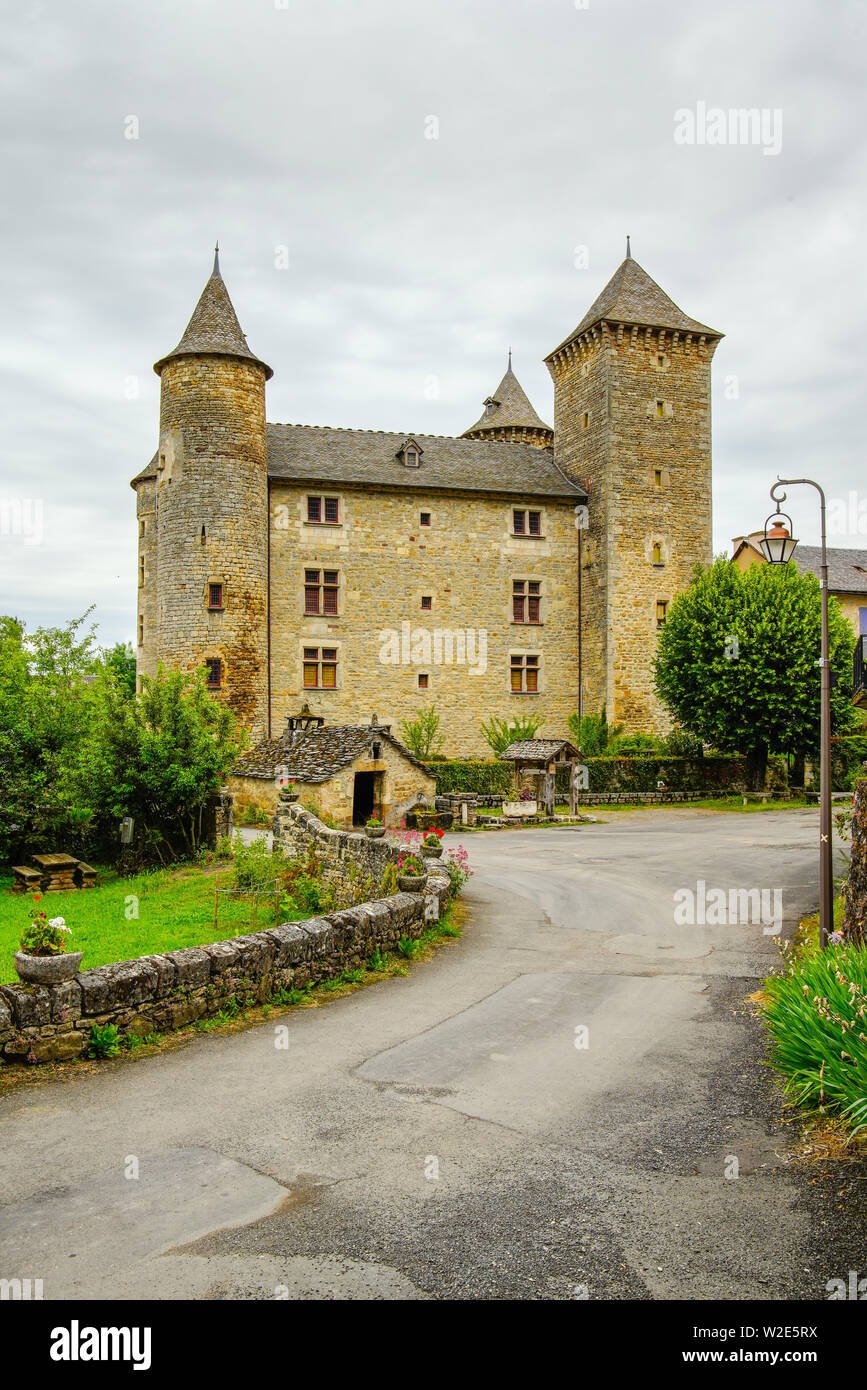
(421, 735)
(592, 734)
(816, 1014)
(389, 885)
(484, 778)
(457, 863)
(499, 733)
(253, 864)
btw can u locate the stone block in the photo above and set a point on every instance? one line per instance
(65, 1001)
(30, 1005)
(167, 973)
(192, 967)
(224, 957)
(290, 942)
(112, 987)
(56, 1048)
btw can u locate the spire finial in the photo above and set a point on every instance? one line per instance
(628, 250)
(216, 269)
(510, 359)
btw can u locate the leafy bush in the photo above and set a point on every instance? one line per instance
(408, 948)
(816, 1014)
(499, 733)
(484, 778)
(253, 864)
(592, 734)
(421, 735)
(634, 745)
(644, 773)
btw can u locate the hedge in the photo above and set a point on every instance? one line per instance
(606, 775)
(486, 778)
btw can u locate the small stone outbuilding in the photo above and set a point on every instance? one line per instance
(347, 771)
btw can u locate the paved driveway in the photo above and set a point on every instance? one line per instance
(548, 1109)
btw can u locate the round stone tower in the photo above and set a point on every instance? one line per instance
(211, 509)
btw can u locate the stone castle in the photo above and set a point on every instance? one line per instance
(517, 569)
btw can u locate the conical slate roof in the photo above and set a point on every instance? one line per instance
(632, 297)
(508, 408)
(214, 329)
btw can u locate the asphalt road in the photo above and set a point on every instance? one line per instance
(548, 1109)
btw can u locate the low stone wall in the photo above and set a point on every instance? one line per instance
(156, 994)
(855, 914)
(344, 855)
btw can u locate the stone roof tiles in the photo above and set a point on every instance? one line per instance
(539, 749)
(214, 329)
(314, 756)
(632, 297)
(508, 408)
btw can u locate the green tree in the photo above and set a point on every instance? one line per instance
(421, 735)
(737, 662)
(499, 733)
(159, 758)
(121, 660)
(592, 734)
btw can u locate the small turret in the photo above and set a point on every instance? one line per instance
(509, 416)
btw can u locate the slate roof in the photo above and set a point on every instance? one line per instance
(541, 749)
(510, 408)
(847, 569)
(632, 297)
(214, 328)
(316, 755)
(313, 453)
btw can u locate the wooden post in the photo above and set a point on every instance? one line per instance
(216, 902)
(276, 902)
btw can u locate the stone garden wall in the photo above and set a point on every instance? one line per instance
(158, 993)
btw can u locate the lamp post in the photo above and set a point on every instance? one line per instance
(778, 546)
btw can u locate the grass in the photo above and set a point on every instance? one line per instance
(175, 908)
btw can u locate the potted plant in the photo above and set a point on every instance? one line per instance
(411, 874)
(526, 805)
(43, 958)
(431, 845)
(374, 829)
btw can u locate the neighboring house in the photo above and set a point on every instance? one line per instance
(493, 574)
(847, 583)
(350, 772)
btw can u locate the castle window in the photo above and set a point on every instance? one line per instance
(320, 668)
(585, 419)
(215, 597)
(660, 409)
(526, 523)
(426, 603)
(657, 479)
(141, 528)
(524, 673)
(214, 668)
(141, 577)
(526, 600)
(423, 681)
(325, 510)
(411, 458)
(204, 535)
(141, 631)
(320, 591)
(424, 519)
(661, 612)
(657, 553)
(660, 360)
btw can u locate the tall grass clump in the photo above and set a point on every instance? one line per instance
(816, 1014)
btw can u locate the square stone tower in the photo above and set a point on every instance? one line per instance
(632, 408)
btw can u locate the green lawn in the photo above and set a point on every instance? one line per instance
(175, 908)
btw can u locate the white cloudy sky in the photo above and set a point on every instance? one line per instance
(303, 125)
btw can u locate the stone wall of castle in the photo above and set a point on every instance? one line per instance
(210, 519)
(632, 425)
(464, 562)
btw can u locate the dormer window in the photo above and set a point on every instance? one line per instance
(491, 405)
(410, 453)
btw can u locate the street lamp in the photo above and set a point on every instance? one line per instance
(778, 545)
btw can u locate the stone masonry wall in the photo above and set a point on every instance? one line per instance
(162, 992)
(632, 425)
(465, 562)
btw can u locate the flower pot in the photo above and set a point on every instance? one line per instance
(519, 808)
(47, 970)
(432, 851)
(411, 883)
(374, 832)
